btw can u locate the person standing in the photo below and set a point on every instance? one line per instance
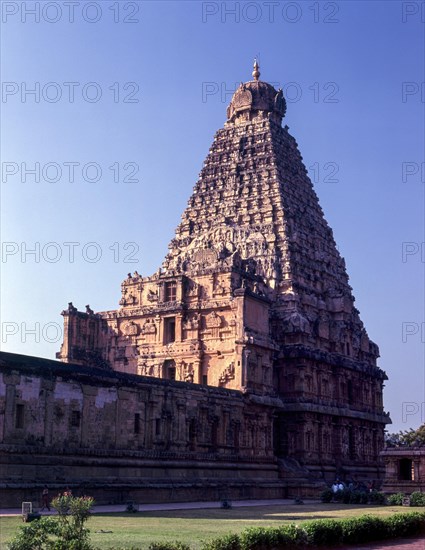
(45, 503)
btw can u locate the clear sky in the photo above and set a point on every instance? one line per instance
(126, 99)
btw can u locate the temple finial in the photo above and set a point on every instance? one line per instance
(256, 71)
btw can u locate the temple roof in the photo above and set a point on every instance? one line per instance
(256, 96)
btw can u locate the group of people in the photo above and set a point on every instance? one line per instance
(339, 485)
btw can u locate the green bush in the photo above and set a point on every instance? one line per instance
(35, 536)
(323, 532)
(326, 495)
(73, 512)
(66, 531)
(260, 538)
(417, 499)
(257, 538)
(363, 529)
(346, 495)
(228, 542)
(131, 508)
(291, 535)
(375, 497)
(338, 496)
(396, 499)
(356, 497)
(402, 525)
(364, 497)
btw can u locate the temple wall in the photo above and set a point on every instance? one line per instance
(62, 425)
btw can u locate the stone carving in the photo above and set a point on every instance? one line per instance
(204, 258)
(227, 374)
(152, 296)
(191, 288)
(130, 329)
(187, 372)
(128, 299)
(213, 320)
(191, 323)
(149, 327)
(295, 322)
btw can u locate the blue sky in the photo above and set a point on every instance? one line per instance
(151, 82)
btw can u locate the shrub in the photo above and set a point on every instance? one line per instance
(338, 495)
(34, 536)
(346, 496)
(260, 538)
(363, 498)
(130, 508)
(396, 499)
(375, 497)
(417, 499)
(402, 525)
(326, 495)
(323, 532)
(226, 504)
(228, 542)
(63, 532)
(363, 529)
(257, 538)
(291, 535)
(356, 497)
(73, 512)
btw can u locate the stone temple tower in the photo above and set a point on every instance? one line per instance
(253, 296)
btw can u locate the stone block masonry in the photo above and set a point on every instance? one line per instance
(121, 437)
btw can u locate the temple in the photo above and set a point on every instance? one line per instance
(253, 298)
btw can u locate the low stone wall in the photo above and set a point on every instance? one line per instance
(123, 437)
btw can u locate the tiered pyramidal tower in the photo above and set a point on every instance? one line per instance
(253, 296)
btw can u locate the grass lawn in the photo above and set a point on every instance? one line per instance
(193, 526)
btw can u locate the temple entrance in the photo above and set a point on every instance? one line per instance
(169, 369)
(406, 471)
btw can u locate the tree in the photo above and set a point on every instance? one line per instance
(407, 438)
(66, 531)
